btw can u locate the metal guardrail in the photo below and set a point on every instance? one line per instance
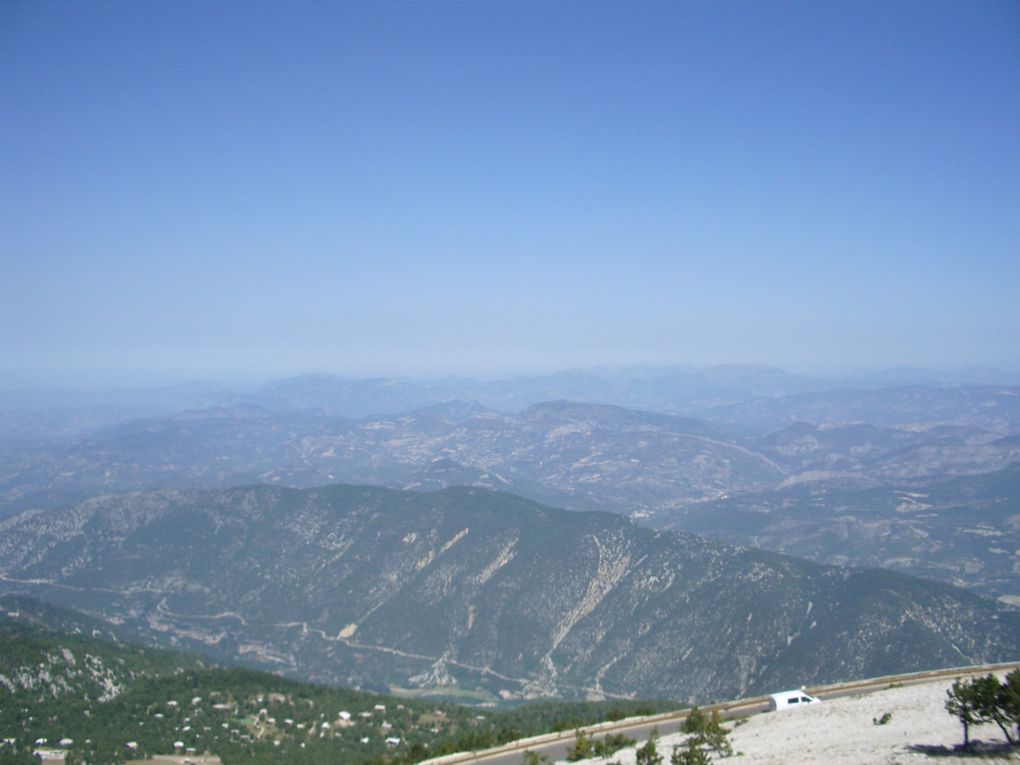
(728, 707)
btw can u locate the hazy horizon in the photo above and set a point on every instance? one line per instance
(248, 192)
(889, 376)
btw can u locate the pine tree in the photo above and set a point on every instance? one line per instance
(582, 749)
(691, 754)
(1009, 701)
(648, 753)
(961, 702)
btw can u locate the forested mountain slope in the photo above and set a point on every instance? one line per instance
(482, 591)
(101, 700)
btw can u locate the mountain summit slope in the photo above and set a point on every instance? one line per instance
(472, 590)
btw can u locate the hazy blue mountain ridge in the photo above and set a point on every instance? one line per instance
(994, 408)
(961, 530)
(670, 389)
(667, 470)
(586, 455)
(578, 455)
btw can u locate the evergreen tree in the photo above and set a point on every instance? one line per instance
(648, 753)
(611, 744)
(707, 730)
(961, 702)
(691, 754)
(1009, 701)
(695, 722)
(11, 756)
(988, 695)
(582, 748)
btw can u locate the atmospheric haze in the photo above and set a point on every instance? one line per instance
(247, 191)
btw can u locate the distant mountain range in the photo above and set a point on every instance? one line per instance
(666, 470)
(573, 454)
(40, 416)
(482, 592)
(995, 409)
(920, 477)
(962, 530)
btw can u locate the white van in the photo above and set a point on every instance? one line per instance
(790, 700)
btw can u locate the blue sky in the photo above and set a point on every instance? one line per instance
(248, 190)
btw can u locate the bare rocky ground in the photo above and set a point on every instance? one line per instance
(843, 732)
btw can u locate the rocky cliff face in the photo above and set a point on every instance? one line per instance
(483, 591)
